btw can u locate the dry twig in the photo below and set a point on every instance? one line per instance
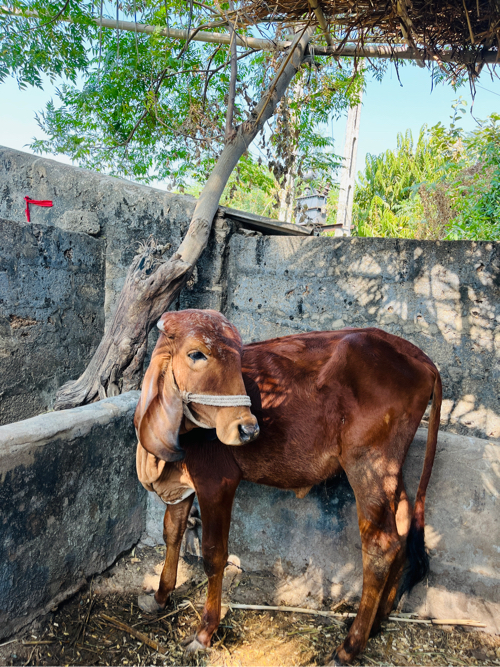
(135, 633)
(334, 614)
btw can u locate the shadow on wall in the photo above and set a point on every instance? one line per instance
(442, 296)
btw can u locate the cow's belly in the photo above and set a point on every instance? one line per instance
(285, 466)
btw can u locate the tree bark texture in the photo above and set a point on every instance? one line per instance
(152, 284)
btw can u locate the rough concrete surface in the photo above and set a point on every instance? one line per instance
(442, 296)
(119, 211)
(462, 528)
(70, 500)
(51, 313)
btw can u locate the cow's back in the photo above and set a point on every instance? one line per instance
(318, 394)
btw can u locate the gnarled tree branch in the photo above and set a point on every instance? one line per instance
(152, 284)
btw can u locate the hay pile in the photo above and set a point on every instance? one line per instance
(468, 28)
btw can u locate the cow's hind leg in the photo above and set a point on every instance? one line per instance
(174, 527)
(381, 547)
(404, 512)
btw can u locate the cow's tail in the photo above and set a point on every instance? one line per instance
(418, 558)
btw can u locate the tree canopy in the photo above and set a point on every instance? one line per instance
(149, 107)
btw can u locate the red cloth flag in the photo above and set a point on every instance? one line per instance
(42, 202)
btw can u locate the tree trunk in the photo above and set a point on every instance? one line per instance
(152, 284)
(287, 197)
(287, 191)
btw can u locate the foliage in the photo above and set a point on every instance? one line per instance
(386, 199)
(446, 186)
(251, 187)
(144, 106)
(474, 184)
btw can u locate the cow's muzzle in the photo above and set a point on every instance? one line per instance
(248, 432)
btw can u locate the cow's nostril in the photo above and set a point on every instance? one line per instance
(248, 432)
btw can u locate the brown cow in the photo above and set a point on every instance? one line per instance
(325, 401)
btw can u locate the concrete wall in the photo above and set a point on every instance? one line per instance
(51, 313)
(118, 211)
(71, 503)
(61, 275)
(442, 296)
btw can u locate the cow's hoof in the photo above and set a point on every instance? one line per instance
(148, 604)
(335, 660)
(192, 645)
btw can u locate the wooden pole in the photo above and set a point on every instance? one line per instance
(348, 174)
(384, 51)
(316, 7)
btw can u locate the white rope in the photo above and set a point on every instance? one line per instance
(211, 399)
(217, 401)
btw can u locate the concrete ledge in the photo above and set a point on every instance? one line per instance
(462, 529)
(70, 500)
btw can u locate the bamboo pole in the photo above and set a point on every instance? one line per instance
(316, 7)
(383, 51)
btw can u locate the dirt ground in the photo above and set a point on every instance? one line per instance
(95, 627)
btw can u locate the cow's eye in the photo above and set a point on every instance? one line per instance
(197, 356)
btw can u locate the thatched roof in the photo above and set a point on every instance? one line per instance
(468, 27)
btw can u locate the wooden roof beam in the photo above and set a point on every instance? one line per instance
(348, 50)
(316, 7)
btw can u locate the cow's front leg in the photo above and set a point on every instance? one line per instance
(174, 527)
(215, 508)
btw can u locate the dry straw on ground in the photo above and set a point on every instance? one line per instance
(103, 626)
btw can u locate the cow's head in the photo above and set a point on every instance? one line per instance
(198, 352)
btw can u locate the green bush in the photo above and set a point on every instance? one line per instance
(444, 186)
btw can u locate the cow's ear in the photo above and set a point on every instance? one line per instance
(158, 415)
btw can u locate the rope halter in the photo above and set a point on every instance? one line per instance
(211, 399)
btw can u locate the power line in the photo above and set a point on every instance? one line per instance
(488, 90)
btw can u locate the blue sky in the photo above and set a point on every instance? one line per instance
(388, 108)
